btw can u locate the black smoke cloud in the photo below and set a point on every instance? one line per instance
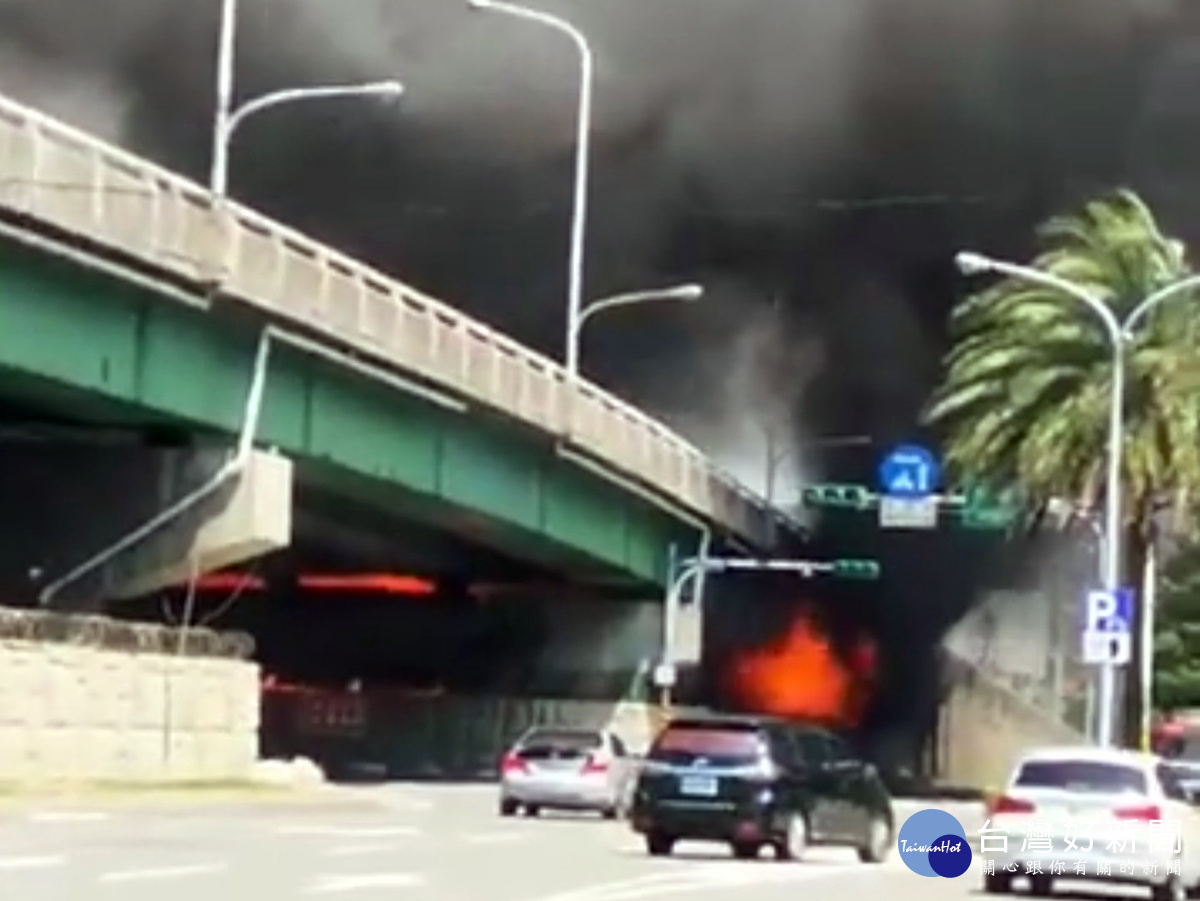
(824, 156)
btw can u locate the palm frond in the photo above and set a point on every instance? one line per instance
(1026, 385)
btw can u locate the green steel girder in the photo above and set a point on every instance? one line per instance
(73, 337)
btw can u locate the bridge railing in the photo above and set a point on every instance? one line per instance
(56, 176)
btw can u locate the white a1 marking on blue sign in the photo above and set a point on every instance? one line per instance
(1107, 622)
(909, 471)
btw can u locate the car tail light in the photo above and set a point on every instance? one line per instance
(1143, 813)
(1007, 804)
(595, 765)
(512, 764)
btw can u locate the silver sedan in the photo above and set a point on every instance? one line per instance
(558, 768)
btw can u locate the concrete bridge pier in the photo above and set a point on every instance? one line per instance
(83, 524)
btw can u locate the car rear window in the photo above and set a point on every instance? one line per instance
(558, 744)
(717, 745)
(1081, 776)
(1187, 772)
(1181, 747)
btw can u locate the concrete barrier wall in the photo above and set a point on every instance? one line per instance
(444, 736)
(981, 731)
(91, 714)
(983, 728)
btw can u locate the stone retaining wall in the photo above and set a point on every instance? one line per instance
(70, 713)
(983, 728)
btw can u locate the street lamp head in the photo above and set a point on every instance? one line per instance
(969, 263)
(688, 292)
(479, 4)
(389, 90)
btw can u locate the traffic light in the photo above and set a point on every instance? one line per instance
(849, 497)
(862, 570)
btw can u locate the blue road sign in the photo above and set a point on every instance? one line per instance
(909, 471)
(1109, 611)
(1108, 619)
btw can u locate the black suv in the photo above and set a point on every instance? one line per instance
(755, 781)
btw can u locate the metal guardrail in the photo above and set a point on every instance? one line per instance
(54, 175)
(104, 633)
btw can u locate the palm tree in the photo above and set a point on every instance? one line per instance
(1177, 631)
(1024, 397)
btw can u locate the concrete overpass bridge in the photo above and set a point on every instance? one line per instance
(132, 299)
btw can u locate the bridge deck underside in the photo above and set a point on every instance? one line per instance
(113, 356)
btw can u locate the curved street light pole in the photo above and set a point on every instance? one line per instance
(1119, 334)
(582, 152)
(677, 294)
(227, 119)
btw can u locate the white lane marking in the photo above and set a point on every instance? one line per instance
(351, 882)
(605, 889)
(146, 875)
(350, 831)
(69, 816)
(31, 863)
(707, 876)
(356, 850)
(494, 838)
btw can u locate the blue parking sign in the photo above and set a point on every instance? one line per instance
(1109, 611)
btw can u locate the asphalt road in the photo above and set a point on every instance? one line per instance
(409, 843)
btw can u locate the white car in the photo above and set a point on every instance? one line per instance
(558, 768)
(1081, 813)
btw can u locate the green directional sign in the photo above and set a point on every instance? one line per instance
(847, 497)
(861, 570)
(986, 510)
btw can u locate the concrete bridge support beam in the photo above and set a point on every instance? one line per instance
(65, 505)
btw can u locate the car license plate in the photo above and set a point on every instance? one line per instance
(698, 786)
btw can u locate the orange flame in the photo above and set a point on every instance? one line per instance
(380, 583)
(364, 583)
(805, 676)
(230, 581)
